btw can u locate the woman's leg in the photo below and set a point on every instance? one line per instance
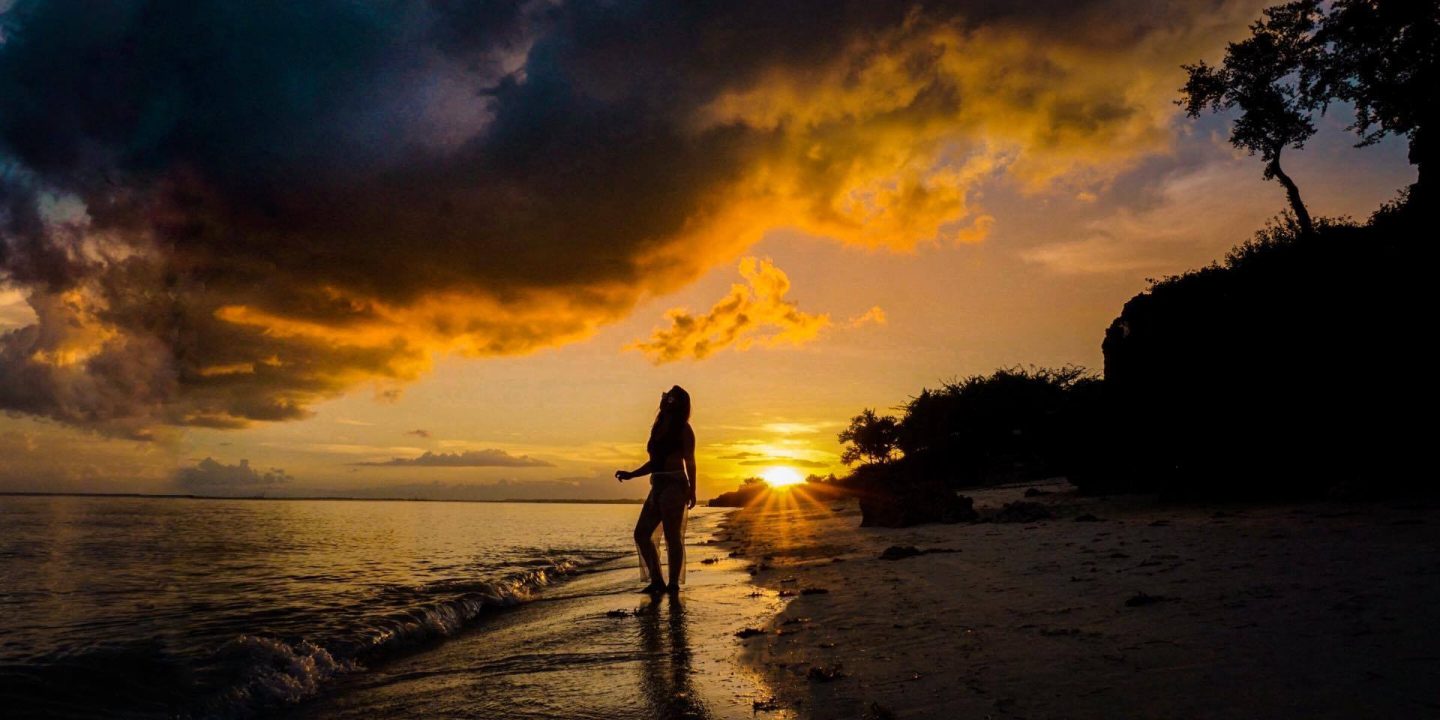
(644, 529)
(672, 512)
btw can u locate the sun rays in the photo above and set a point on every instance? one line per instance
(788, 509)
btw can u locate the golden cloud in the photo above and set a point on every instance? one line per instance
(875, 314)
(751, 314)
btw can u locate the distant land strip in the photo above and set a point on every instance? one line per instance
(163, 496)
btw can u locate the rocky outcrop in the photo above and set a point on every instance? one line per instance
(902, 504)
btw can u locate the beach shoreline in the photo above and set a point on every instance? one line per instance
(1138, 610)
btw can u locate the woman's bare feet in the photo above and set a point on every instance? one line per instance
(673, 588)
(653, 588)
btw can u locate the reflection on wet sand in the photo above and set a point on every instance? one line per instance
(587, 649)
(666, 665)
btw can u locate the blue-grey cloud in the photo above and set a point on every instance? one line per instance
(469, 458)
(212, 476)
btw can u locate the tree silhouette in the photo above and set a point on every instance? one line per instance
(1008, 425)
(1262, 76)
(1381, 57)
(870, 438)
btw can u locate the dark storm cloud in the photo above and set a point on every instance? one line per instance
(212, 476)
(224, 212)
(469, 458)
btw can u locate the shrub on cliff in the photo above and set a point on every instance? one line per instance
(1281, 372)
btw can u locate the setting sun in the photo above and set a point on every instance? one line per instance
(782, 477)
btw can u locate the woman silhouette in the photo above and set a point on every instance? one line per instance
(672, 490)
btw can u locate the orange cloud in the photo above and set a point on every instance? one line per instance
(756, 313)
(875, 315)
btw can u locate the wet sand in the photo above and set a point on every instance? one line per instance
(590, 647)
(1150, 611)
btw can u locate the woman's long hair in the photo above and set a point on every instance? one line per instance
(673, 414)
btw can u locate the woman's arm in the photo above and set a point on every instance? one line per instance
(624, 475)
(690, 462)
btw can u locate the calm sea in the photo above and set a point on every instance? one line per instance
(151, 607)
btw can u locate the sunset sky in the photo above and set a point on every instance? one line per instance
(424, 250)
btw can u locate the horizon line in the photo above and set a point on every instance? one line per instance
(184, 496)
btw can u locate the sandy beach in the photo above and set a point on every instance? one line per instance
(1139, 610)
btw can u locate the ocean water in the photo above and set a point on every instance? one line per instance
(167, 607)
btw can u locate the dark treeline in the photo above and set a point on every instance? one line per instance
(1009, 426)
(1013, 425)
(1287, 370)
